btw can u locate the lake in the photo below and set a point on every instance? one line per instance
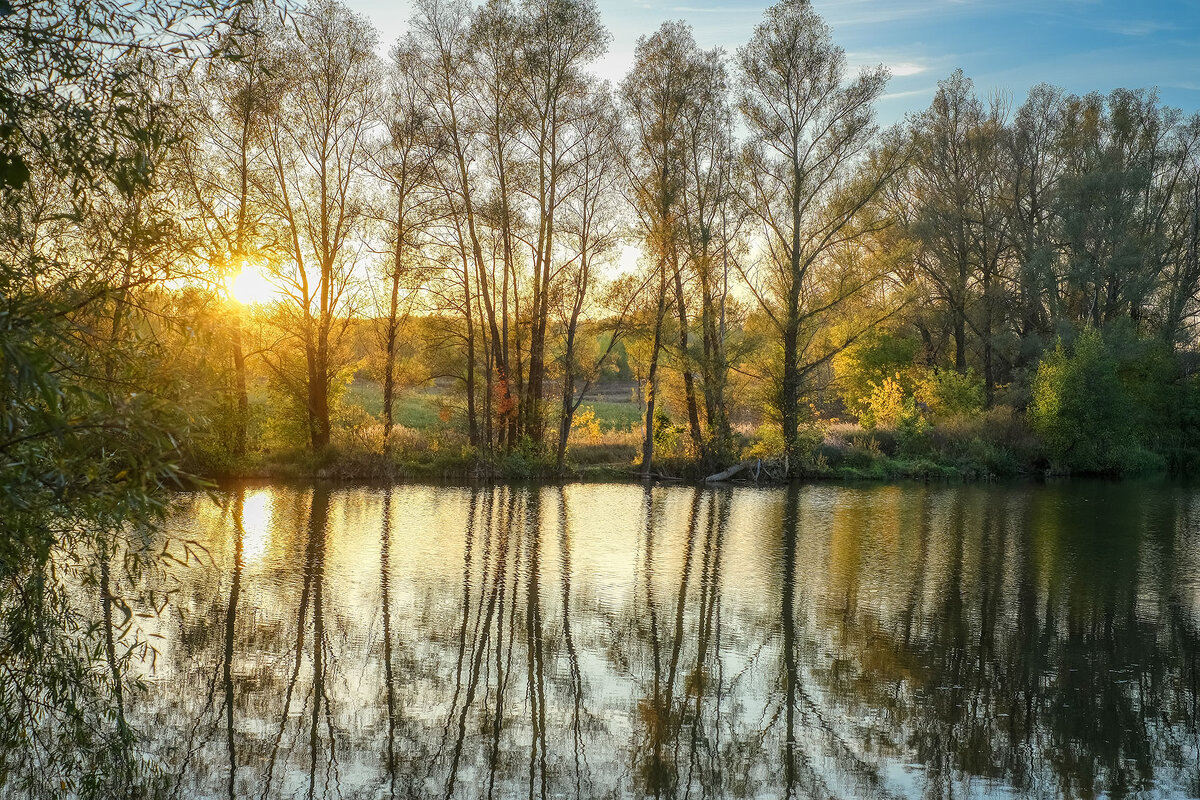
(616, 641)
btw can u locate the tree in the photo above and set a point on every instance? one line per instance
(958, 178)
(85, 453)
(224, 168)
(558, 38)
(404, 164)
(317, 143)
(438, 44)
(656, 95)
(711, 225)
(592, 222)
(808, 133)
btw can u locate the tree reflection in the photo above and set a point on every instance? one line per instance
(1011, 664)
(312, 605)
(871, 642)
(235, 589)
(678, 751)
(389, 673)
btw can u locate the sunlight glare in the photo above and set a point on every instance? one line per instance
(256, 525)
(252, 286)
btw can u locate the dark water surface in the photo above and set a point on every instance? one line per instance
(611, 641)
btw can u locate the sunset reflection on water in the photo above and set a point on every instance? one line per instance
(611, 640)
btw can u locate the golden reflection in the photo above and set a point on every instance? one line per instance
(256, 524)
(514, 641)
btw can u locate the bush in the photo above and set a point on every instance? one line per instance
(876, 357)
(946, 392)
(912, 429)
(585, 424)
(1083, 411)
(885, 405)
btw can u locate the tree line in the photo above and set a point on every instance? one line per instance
(464, 203)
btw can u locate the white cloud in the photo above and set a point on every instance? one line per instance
(928, 90)
(903, 69)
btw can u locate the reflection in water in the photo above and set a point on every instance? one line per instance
(617, 641)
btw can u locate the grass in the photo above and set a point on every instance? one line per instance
(623, 417)
(413, 408)
(419, 408)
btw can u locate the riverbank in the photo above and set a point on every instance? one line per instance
(982, 449)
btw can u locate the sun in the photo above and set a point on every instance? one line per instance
(251, 286)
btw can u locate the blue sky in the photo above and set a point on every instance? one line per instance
(1003, 45)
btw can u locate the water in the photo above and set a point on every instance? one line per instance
(612, 641)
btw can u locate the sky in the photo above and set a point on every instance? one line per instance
(1005, 46)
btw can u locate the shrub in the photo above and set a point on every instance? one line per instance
(669, 439)
(946, 392)
(767, 444)
(1082, 411)
(877, 356)
(885, 405)
(912, 429)
(584, 423)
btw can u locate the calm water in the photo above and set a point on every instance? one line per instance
(610, 641)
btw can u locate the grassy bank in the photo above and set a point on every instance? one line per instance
(428, 443)
(605, 444)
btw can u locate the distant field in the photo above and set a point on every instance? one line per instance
(615, 416)
(418, 408)
(414, 408)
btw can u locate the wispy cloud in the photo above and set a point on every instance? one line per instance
(903, 69)
(1138, 27)
(928, 90)
(708, 10)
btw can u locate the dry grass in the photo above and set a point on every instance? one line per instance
(610, 448)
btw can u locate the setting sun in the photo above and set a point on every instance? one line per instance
(252, 286)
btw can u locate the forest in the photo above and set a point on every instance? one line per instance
(239, 241)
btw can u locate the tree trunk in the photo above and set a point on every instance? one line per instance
(568, 399)
(318, 388)
(243, 398)
(389, 360)
(472, 420)
(789, 393)
(652, 375)
(714, 376)
(689, 383)
(960, 340)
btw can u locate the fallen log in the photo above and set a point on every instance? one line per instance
(726, 474)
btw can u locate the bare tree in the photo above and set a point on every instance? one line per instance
(317, 143)
(656, 96)
(711, 224)
(558, 39)
(404, 164)
(592, 223)
(810, 130)
(223, 166)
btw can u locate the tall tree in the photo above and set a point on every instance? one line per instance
(404, 164)
(438, 45)
(656, 95)
(959, 178)
(592, 224)
(558, 39)
(809, 129)
(224, 166)
(317, 142)
(711, 223)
